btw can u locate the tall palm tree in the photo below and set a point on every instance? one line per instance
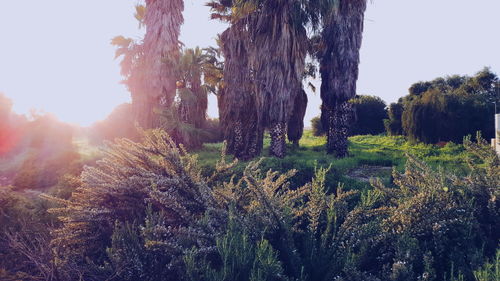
(240, 113)
(238, 102)
(265, 50)
(163, 19)
(133, 68)
(148, 65)
(339, 60)
(278, 59)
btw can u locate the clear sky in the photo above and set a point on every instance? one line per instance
(55, 55)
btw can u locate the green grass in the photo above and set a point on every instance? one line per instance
(366, 150)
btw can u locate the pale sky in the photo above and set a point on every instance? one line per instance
(55, 55)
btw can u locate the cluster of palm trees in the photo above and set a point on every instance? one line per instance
(260, 82)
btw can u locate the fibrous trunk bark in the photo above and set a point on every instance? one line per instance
(278, 141)
(339, 121)
(245, 140)
(161, 45)
(146, 111)
(278, 59)
(339, 61)
(295, 127)
(238, 103)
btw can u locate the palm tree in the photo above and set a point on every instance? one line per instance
(186, 117)
(133, 68)
(278, 59)
(148, 65)
(163, 19)
(295, 126)
(339, 60)
(213, 68)
(238, 102)
(265, 50)
(192, 95)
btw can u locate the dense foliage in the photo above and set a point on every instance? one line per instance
(393, 125)
(446, 109)
(317, 127)
(369, 118)
(148, 212)
(120, 123)
(151, 210)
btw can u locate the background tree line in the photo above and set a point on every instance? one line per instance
(442, 110)
(447, 109)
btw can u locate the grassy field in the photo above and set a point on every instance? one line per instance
(370, 156)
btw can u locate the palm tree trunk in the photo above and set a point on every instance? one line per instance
(238, 104)
(245, 142)
(278, 141)
(278, 59)
(339, 122)
(342, 36)
(163, 20)
(295, 127)
(144, 110)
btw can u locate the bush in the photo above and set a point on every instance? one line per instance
(39, 172)
(146, 212)
(317, 127)
(394, 125)
(370, 115)
(490, 271)
(49, 154)
(120, 123)
(447, 109)
(25, 253)
(154, 186)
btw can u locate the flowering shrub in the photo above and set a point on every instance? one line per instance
(146, 212)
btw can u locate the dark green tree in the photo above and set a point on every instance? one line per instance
(186, 119)
(451, 108)
(370, 112)
(317, 127)
(120, 123)
(394, 124)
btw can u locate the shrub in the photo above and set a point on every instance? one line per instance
(240, 258)
(394, 125)
(317, 127)
(115, 197)
(120, 123)
(370, 115)
(447, 109)
(490, 271)
(24, 238)
(145, 212)
(438, 213)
